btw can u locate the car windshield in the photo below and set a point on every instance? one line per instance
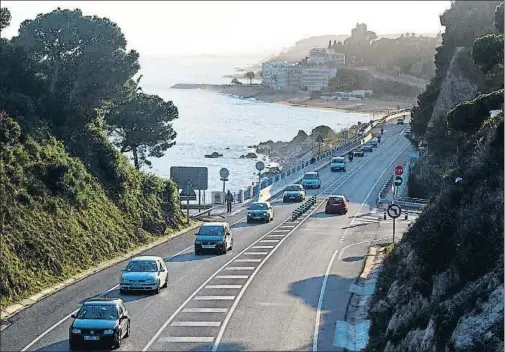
(338, 160)
(138, 266)
(258, 206)
(292, 188)
(310, 176)
(211, 231)
(98, 311)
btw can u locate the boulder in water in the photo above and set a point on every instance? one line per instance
(213, 155)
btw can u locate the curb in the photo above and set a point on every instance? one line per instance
(13, 309)
(370, 257)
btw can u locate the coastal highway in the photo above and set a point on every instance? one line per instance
(264, 294)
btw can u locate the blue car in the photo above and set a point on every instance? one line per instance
(337, 164)
(311, 180)
(373, 143)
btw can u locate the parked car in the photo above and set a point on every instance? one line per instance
(311, 180)
(103, 321)
(336, 204)
(260, 211)
(145, 273)
(215, 237)
(337, 164)
(408, 132)
(359, 152)
(293, 192)
(400, 121)
(374, 143)
(367, 148)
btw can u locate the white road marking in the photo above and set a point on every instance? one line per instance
(263, 247)
(232, 276)
(330, 264)
(255, 253)
(196, 323)
(205, 310)
(189, 339)
(248, 260)
(214, 298)
(269, 241)
(276, 235)
(282, 230)
(223, 286)
(239, 268)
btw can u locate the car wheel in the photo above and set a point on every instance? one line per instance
(157, 289)
(165, 285)
(127, 330)
(122, 291)
(248, 221)
(345, 170)
(197, 252)
(72, 346)
(117, 341)
(284, 200)
(224, 250)
(231, 244)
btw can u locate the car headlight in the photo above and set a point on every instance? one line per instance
(249, 214)
(198, 242)
(123, 280)
(265, 213)
(151, 280)
(108, 332)
(76, 331)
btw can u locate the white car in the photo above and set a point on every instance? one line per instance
(147, 273)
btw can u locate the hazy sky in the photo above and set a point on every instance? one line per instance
(164, 28)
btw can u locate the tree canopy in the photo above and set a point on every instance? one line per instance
(143, 127)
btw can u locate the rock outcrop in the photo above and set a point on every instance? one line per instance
(213, 155)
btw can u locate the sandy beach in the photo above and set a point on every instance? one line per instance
(302, 99)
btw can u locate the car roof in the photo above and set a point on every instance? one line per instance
(294, 184)
(145, 257)
(214, 224)
(104, 300)
(311, 173)
(260, 203)
(337, 195)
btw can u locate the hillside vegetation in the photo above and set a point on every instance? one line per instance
(407, 53)
(69, 198)
(441, 289)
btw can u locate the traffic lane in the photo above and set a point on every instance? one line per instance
(187, 272)
(278, 310)
(61, 304)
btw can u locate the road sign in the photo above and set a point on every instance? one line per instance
(260, 165)
(398, 181)
(394, 211)
(198, 176)
(319, 139)
(224, 173)
(188, 193)
(398, 170)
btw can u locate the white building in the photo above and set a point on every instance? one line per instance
(281, 75)
(315, 77)
(323, 56)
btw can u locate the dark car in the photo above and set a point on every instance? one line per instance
(367, 148)
(102, 321)
(359, 152)
(260, 211)
(336, 204)
(400, 121)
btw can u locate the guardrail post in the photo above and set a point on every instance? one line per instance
(385, 216)
(406, 214)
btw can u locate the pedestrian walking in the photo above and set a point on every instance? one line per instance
(229, 201)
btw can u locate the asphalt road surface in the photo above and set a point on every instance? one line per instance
(265, 294)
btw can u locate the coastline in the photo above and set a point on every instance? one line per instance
(302, 99)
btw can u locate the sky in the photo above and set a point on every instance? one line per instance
(225, 28)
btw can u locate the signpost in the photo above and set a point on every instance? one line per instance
(260, 165)
(319, 140)
(189, 179)
(224, 173)
(398, 181)
(394, 211)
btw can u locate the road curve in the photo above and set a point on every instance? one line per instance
(44, 326)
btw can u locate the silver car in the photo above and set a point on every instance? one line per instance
(147, 273)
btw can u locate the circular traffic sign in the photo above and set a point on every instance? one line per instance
(394, 211)
(398, 181)
(398, 170)
(224, 173)
(260, 165)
